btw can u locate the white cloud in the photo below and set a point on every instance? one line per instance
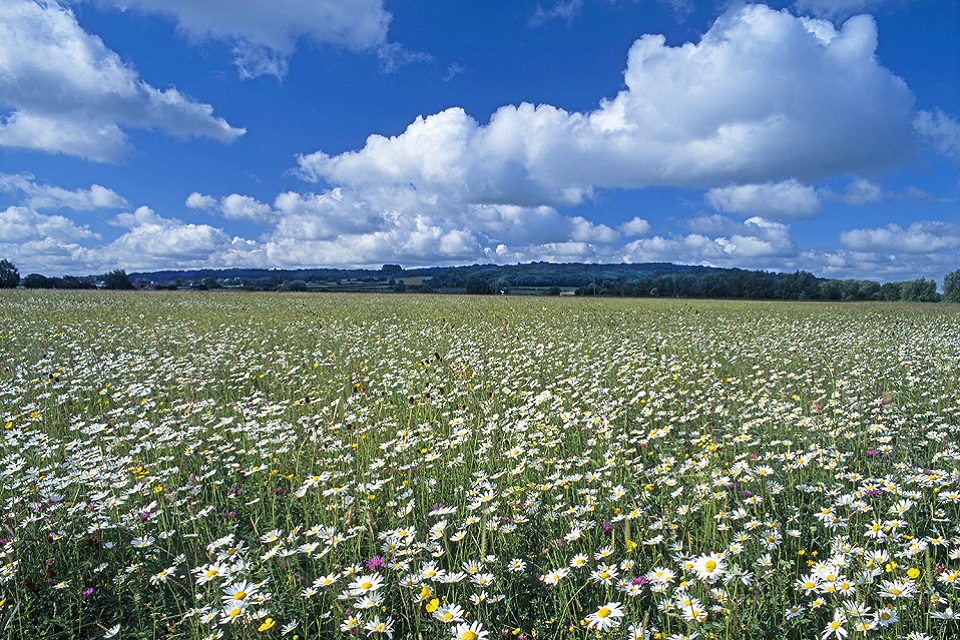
(38, 243)
(925, 236)
(71, 94)
(756, 243)
(941, 130)
(197, 200)
(265, 34)
(549, 252)
(787, 200)
(834, 9)
(237, 207)
(636, 226)
(40, 196)
(400, 218)
(763, 97)
(565, 10)
(411, 240)
(859, 192)
(22, 224)
(234, 207)
(153, 242)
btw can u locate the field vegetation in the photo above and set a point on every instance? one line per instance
(192, 466)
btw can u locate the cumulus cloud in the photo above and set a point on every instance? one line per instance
(764, 97)
(835, 9)
(410, 239)
(22, 224)
(636, 226)
(401, 221)
(754, 242)
(859, 192)
(925, 236)
(233, 207)
(787, 200)
(152, 241)
(400, 218)
(36, 242)
(549, 252)
(265, 34)
(70, 94)
(941, 130)
(41, 196)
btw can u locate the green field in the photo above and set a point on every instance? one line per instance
(203, 465)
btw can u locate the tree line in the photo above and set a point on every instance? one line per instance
(650, 280)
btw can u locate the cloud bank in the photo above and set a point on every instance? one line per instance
(68, 93)
(265, 34)
(763, 97)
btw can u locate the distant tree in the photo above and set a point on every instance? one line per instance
(117, 279)
(501, 285)
(210, 283)
(294, 285)
(869, 290)
(951, 287)
(399, 286)
(37, 281)
(830, 290)
(919, 290)
(9, 276)
(390, 269)
(477, 285)
(889, 291)
(553, 291)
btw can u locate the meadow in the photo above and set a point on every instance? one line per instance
(229, 465)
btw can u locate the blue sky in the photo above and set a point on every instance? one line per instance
(163, 134)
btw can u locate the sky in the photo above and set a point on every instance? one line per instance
(820, 135)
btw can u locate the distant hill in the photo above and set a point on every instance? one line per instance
(533, 274)
(652, 279)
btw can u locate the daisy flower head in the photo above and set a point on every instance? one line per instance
(603, 552)
(794, 611)
(555, 576)
(710, 567)
(579, 560)
(209, 572)
(472, 631)
(516, 565)
(379, 627)
(449, 613)
(233, 612)
(809, 583)
(835, 627)
(142, 542)
(351, 622)
(606, 617)
(241, 591)
(604, 575)
(896, 589)
(365, 584)
(660, 575)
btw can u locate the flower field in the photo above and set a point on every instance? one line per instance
(182, 465)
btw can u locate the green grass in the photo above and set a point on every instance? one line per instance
(549, 456)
